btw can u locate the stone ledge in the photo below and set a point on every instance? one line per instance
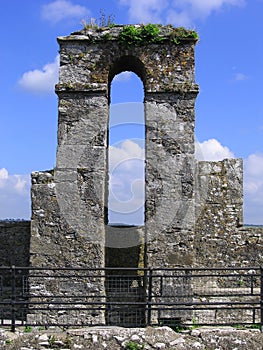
(99, 338)
(102, 34)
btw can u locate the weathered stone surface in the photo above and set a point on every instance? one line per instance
(15, 243)
(220, 239)
(96, 51)
(60, 240)
(117, 338)
(69, 204)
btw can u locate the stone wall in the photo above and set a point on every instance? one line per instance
(117, 338)
(14, 251)
(124, 247)
(220, 239)
(53, 240)
(54, 243)
(15, 243)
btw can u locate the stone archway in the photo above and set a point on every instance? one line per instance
(69, 203)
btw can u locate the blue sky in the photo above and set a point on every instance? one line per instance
(229, 108)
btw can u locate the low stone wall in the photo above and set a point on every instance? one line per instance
(220, 238)
(117, 338)
(15, 242)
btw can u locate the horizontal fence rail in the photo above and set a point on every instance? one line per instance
(131, 297)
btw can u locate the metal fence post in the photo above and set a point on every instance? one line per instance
(13, 297)
(261, 298)
(149, 301)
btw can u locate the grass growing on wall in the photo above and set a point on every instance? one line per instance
(150, 33)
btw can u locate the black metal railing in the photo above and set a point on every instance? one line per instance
(130, 297)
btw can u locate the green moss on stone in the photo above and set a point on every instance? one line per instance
(150, 33)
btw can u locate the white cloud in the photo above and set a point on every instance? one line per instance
(145, 10)
(124, 152)
(177, 12)
(41, 80)
(179, 18)
(204, 8)
(254, 166)
(126, 190)
(122, 77)
(212, 150)
(253, 188)
(21, 183)
(63, 9)
(240, 77)
(3, 175)
(14, 195)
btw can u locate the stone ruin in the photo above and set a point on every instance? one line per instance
(193, 209)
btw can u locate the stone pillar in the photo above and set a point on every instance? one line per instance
(68, 218)
(170, 179)
(170, 210)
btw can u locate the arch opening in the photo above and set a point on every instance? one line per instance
(126, 64)
(124, 246)
(126, 151)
